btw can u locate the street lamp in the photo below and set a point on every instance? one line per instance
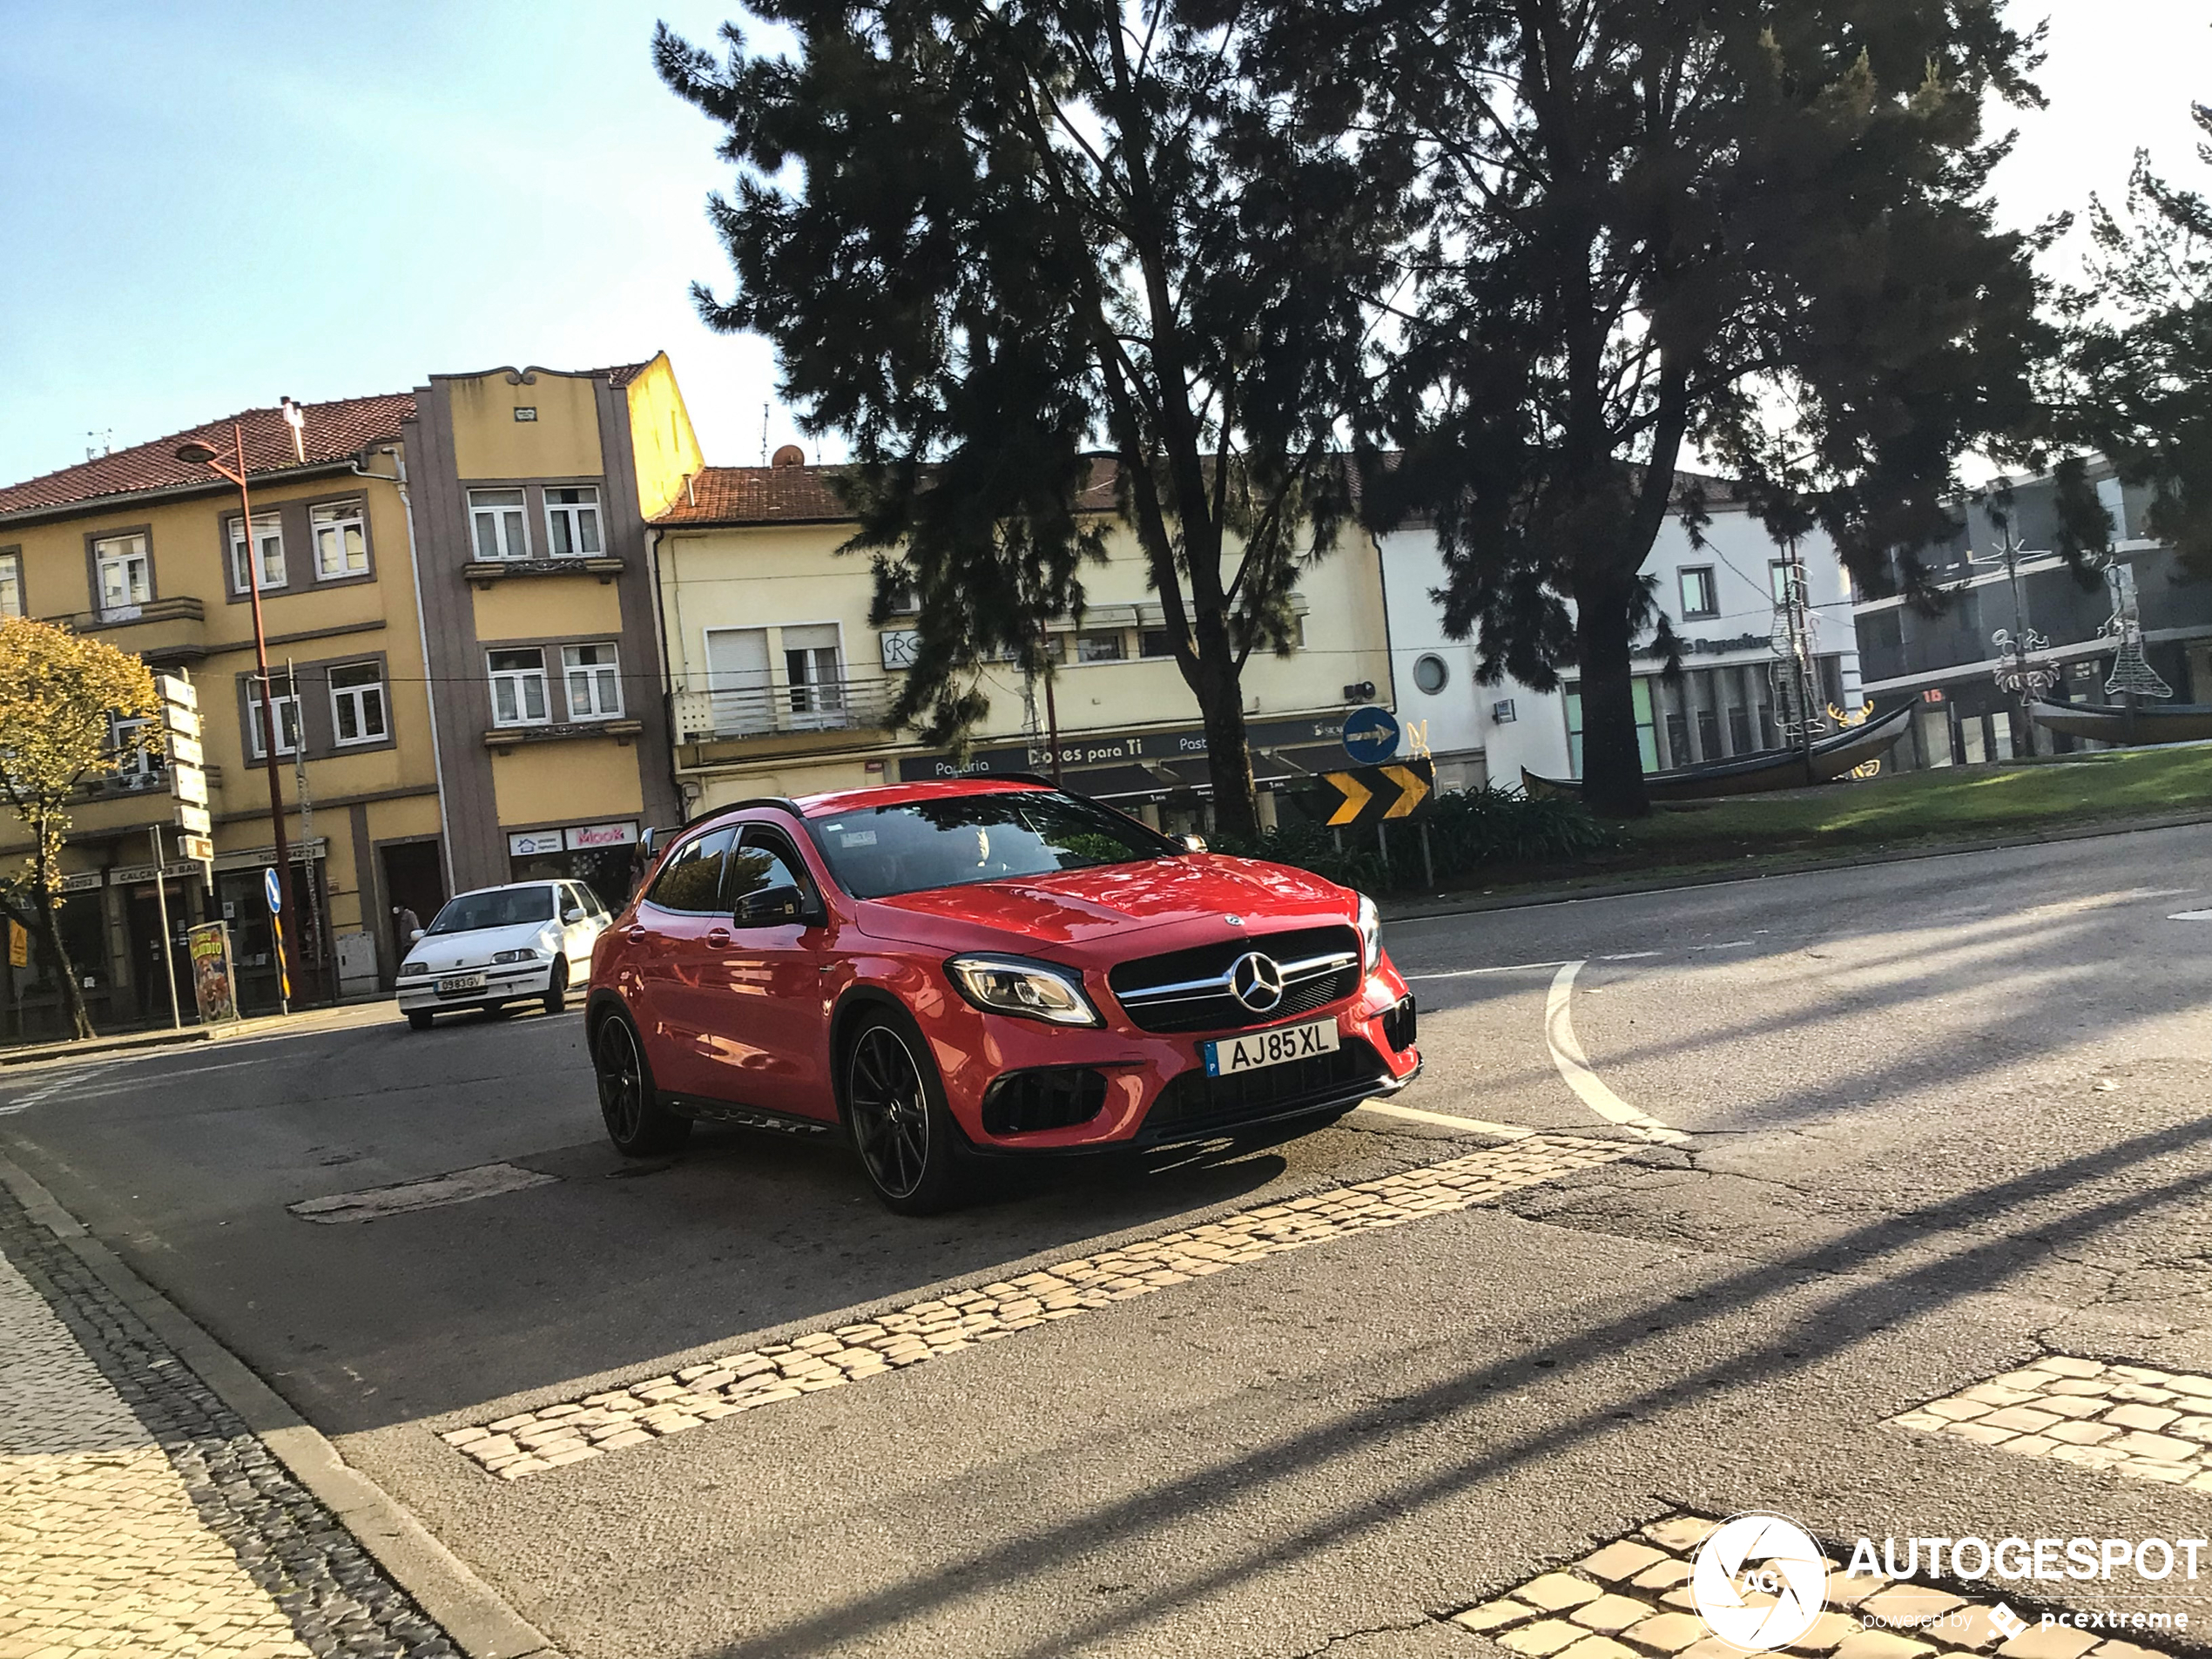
(197, 453)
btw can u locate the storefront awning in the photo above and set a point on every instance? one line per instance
(1116, 783)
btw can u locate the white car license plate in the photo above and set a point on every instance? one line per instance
(456, 982)
(1229, 1056)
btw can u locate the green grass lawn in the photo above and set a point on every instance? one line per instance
(1956, 802)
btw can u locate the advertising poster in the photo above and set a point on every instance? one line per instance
(214, 984)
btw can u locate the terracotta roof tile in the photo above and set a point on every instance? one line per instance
(799, 495)
(334, 431)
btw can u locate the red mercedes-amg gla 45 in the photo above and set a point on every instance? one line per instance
(986, 968)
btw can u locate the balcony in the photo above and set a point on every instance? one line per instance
(484, 572)
(166, 632)
(721, 722)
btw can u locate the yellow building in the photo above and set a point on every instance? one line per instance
(780, 685)
(522, 732)
(147, 552)
(530, 490)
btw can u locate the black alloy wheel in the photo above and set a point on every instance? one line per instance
(895, 1107)
(636, 1122)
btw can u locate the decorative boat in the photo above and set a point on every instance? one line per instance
(1832, 758)
(2116, 722)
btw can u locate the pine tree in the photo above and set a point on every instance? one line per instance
(984, 239)
(1658, 229)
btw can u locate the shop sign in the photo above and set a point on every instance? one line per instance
(586, 837)
(83, 881)
(123, 875)
(530, 845)
(18, 945)
(1111, 748)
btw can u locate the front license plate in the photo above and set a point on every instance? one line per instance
(1229, 1056)
(457, 982)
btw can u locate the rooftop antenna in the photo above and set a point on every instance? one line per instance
(764, 435)
(296, 418)
(98, 444)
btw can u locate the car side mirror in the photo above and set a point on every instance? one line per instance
(418, 937)
(770, 906)
(572, 916)
(1191, 843)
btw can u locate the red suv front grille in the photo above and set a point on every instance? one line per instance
(1188, 990)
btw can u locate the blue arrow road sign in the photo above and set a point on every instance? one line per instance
(1371, 735)
(275, 894)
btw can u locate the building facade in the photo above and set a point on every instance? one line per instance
(1719, 593)
(779, 684)
(2000, 575)
(531, 491)
(148, 552)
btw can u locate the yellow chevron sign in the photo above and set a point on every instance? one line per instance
(1370, 792)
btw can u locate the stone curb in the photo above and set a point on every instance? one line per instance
(1529, 898)
(473, 1615)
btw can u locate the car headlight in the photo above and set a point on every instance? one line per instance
(413, 968)
(1370, 934)
(524, 955)
(1033, 990)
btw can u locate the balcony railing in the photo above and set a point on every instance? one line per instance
(721, 714)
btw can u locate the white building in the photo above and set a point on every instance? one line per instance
(1720, 598)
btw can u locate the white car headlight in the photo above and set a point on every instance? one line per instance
(413, 968)
(1013, 985)
(1370, 934)
(523, 955)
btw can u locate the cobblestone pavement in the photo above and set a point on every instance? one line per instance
(1631, 1600)
(137, 1514)
(572, 1431)
(2132, 1420)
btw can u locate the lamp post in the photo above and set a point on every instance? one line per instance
(204, 455)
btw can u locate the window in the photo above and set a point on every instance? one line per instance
(518, 687)
(1646, 722)
(341, 535)
(1698, 596)
(499, 528)
(1430, 675)
(765, 861)
(814, 670)
(594, 678)
(1780, 576)
(268, 552)
(572, 521)
(1099, 648)
(357, 703)
(11, 584)
(287, 711)
(882, 851)
(692, 880)
(138, 768)
(1678, 739)
(494, 907)
(1156, 641)
(125, 572)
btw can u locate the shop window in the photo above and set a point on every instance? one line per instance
(357, 703)
(593, 676)
(341, 532)
(499, 530)
(125, 572)
(572, 521)
(518, 687)
(267, 553)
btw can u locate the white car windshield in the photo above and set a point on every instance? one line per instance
(494, 907)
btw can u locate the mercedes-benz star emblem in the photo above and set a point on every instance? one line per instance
(1256, 981)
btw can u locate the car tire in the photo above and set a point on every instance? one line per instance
(556, 990)
(418, 1019)
(638, 1120)
(895, 1108)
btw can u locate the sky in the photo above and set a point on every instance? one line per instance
(203, 206)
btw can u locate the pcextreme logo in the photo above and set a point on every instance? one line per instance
(1759, 1581)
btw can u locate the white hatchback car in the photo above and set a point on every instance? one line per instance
(531, 941)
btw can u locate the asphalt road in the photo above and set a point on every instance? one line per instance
(1934, 1118)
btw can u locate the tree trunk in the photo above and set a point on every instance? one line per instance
(72, 992)
(1229, 756)
(1612, 767)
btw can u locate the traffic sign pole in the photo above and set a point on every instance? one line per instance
(273, 890)
(161, 910)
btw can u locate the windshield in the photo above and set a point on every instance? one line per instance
(957, 839)
(494, 907)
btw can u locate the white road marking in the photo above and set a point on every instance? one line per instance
(1530, 967)
(1471, 1125)
(2191, 916)
(77, 1075)
(1574, 1066)
(372, 1203)
(139, 1084)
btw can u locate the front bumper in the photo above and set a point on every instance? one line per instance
(1137, 1089)
(509, 983)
